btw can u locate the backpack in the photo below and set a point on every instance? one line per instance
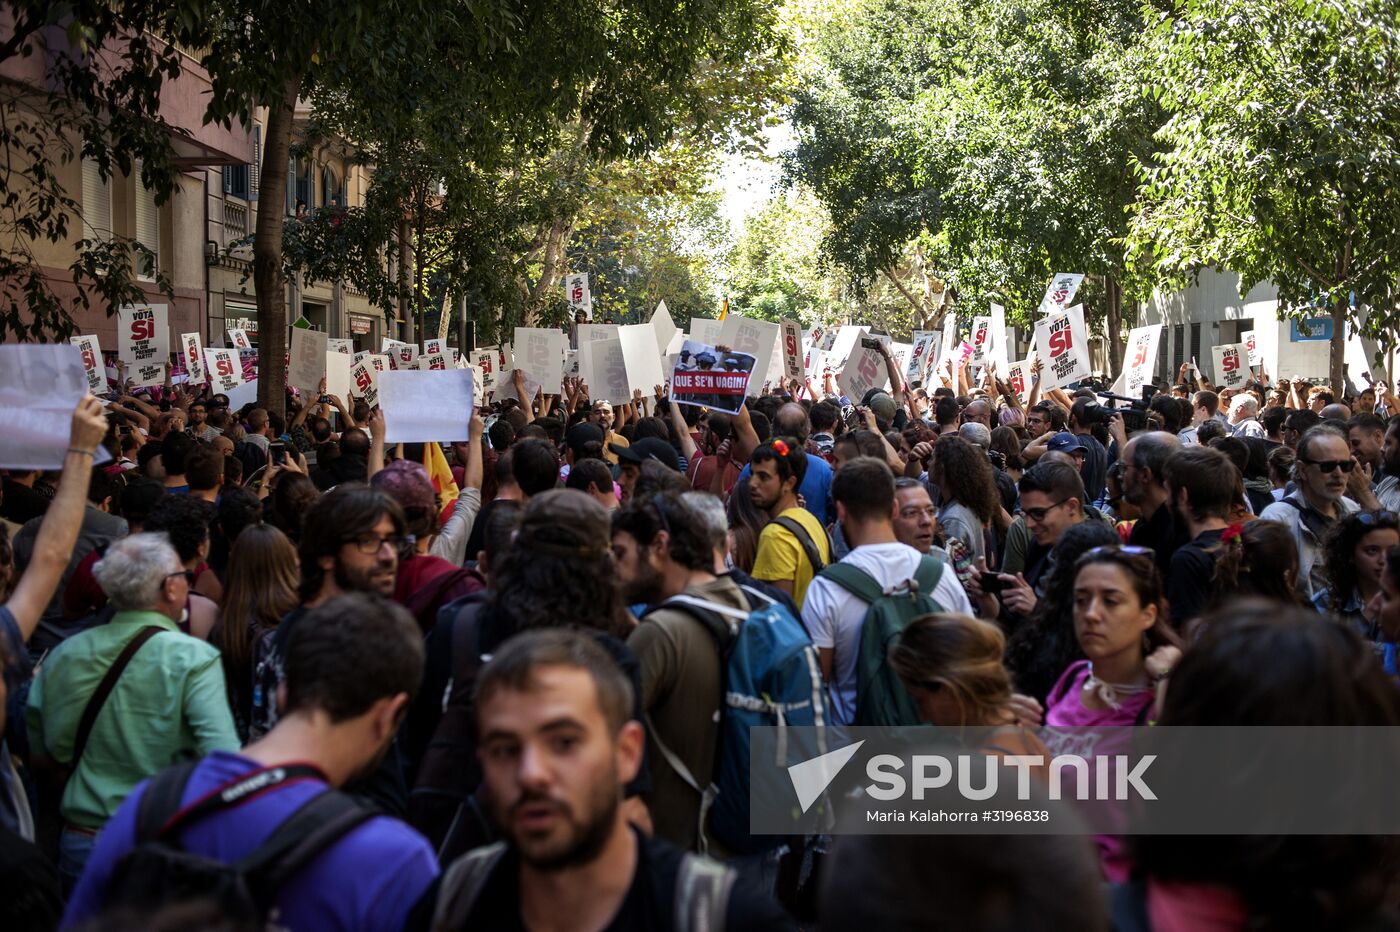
(771, 677)
(701, 896)
(159, 872)
(881, 698)
(425, 602)
(804, 540)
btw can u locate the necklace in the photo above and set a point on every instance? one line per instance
(1110, 692)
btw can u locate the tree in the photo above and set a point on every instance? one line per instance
(85, 81)
(1281, 156)
(774, 269)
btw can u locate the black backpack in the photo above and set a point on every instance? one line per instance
(159, 872)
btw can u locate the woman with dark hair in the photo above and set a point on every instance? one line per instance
(967, 493)
(1353, 558)
(1261, 664)
(1258, 558)
(855, 443)
(1039, 650)
(291, 495)
(745, 524)
(1007, 442)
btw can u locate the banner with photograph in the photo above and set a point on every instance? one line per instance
(707, 378)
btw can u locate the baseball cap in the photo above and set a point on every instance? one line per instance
(583, 433)
(648, 448)
(1064, 442)
(883, 406)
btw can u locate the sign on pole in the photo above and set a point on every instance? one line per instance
(577, 293)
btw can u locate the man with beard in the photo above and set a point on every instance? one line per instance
(1203, 486)
(353, 664)
(557, 746)
(1388, 489)
(1322, 469)
(1144, 460)
(662, 549)
(350, 542)
(793, 546)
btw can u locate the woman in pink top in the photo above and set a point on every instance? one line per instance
(1120, 621)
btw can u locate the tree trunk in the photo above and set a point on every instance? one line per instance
(405, 313)
(420, 299)
(268, 280)
(1336, 369)
(1113, 292)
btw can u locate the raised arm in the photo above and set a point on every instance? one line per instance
(376, 442)
(687, 442)
(745, 437)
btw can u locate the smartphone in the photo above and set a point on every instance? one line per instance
(869, 343)
(325, 399)
(991, 583)
(277, 453)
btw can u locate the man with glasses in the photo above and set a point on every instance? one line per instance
(1321, 471)
(199, 427)
(1044, 417)
(148, 695)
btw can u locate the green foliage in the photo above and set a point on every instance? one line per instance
(774, 270)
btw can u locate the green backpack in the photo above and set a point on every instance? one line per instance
(881, 698)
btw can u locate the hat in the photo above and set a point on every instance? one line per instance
(976, 433)
(1064, 442)
(407, 483)
(883, 406)
(648, 448)
(583, 433)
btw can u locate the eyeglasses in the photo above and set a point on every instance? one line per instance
(1038, 514)
(1375, 518)
(369, 544)
(1130, 550)
(1331, 465)
(186, 575)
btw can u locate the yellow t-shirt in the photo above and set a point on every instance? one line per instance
(781, 557)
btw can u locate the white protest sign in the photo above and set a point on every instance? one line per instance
(1060, 292)
(505, 386)
(981, 340)
(143, 333)
(434, 347)
(147, 374)
(433, 361)
(757, 338)
(539, 353)
(1018, 379)
(507, 357)
(604, 368)
(706, 331)
(307, 363)
(484, 361)
(1252, 344)
(40, 385)
(791, 344)
(364, 382)
(1063, 347)
(380, 362)
(478, 386)
(225, 369)
(950, 337)
(865, 369)
(640, 358)
(338, 367)
(92, 363)
(426, 407)
(1140, 358)
(386, 345)
(666, 329)
(925, 342)
(999, 355)
(192, 350)
(843, 341)
(337, 345)
(238, 338)
(577, 294)
(1231, 365)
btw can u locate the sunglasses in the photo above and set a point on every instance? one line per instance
(1376, 518)
(1331, 465)
(1130, 550)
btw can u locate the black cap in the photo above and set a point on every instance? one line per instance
(581, 433)
(648, 448)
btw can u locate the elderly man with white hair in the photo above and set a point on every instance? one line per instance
(1244, 415)
(118, 702)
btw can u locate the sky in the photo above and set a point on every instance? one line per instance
(748, 182)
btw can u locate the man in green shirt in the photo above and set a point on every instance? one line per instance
(169, 703)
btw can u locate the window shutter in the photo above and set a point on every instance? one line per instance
(256, 168)
(228, 179)
(97, 203)
(147, 222)
(1196, 342)
(291, 185)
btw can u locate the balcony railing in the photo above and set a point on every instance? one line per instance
(235, 222)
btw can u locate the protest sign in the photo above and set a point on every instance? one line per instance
(364, 382)
(485, 363)
(981, 340)
(434, 347)
(1060, 292)
(307, 364)
(921, 356)
(1140, 358)
(426, 406)
(604, 369)
(40, 385)
(238, 338)
(249, 325)
(950, 336)
(843, 341)
(706, 331)
(338, 374)
(225, 369)
(666, 329)
(640, 358)
(792, 348)
(433, 362)
(147, 374)
(379, 362)
(386, 345)
(864, 370)
(143, 334)
(1063, 347)
(505, 387)
(999, 355)
(577, 294)
(244, 393)
(478, 387)
(92, 363)
(757, 338)
(336, 345)
(1247, 338)
(1231, 365)
(708, 378)
(404, 356)
(192, 352)
(571, 364)
(505, 358)
(539, 353)
(813, 362)
(1018, 379)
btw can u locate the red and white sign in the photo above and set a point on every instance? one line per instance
(1063, 347)
(1248, 339)
(485, 362)
(143, 334)
(1061, 291)
(434, 347)
(792, 349)
(238, 338)
(921, 357)
(1140, 359)
(192, 351)
(708, 378)
(433, 361)
(1231, 365)
(1019, 379)
(92, 363)
(364, 381)
(981, 340)
(225, 369)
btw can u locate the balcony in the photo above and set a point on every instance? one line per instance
(235, 222)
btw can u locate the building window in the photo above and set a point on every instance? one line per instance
(238, 181)
(332, 189)
(97, 203)
(299, 187)
(147, 225)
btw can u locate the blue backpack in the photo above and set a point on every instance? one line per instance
(771, 677)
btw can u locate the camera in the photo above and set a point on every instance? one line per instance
(1135, 416)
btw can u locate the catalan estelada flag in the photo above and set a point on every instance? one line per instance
(441, 475)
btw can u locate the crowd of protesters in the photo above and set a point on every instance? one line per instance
(278, 673)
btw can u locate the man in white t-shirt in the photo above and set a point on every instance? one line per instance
(864, 492)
